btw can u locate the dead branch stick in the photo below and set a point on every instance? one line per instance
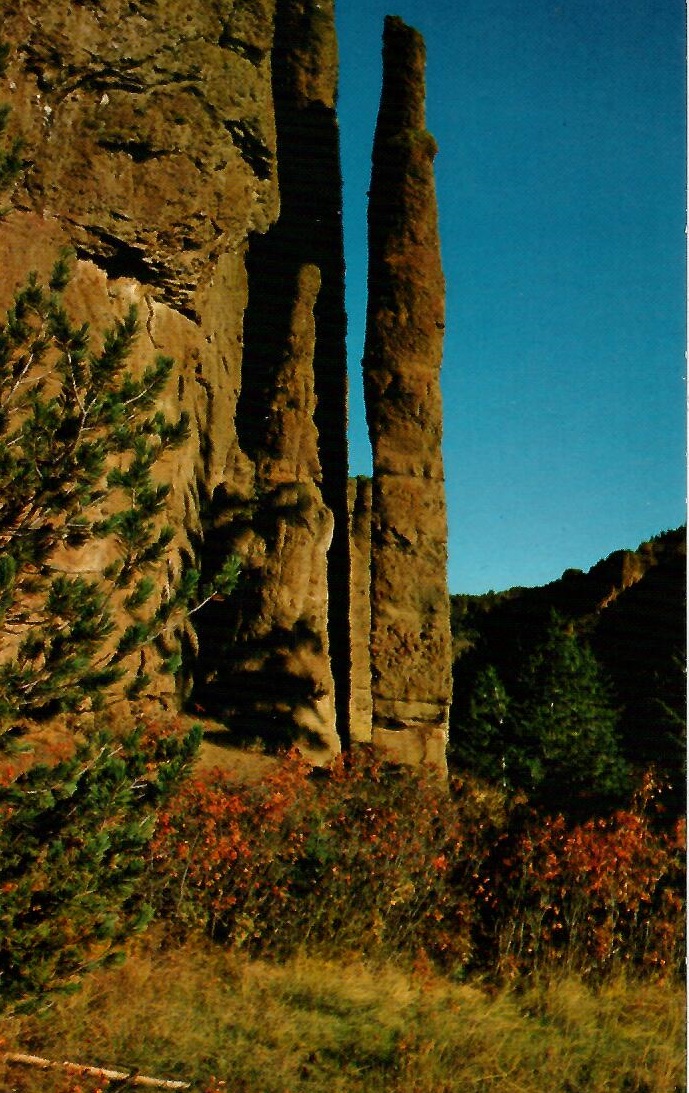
(93, 1071)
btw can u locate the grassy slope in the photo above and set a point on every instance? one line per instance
(341, 1026)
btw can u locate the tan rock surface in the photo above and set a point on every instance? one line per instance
(277, 682)
(149, 129)
(201, 379)
(308, 232)
(410, 636)
(134, 119)
(189, 155)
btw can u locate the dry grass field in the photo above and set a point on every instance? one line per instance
(219, 1020)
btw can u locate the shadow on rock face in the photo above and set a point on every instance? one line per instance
(258, 696)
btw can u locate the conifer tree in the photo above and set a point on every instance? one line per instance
(483, 741)
(566, 750)
(77, 446)
(554, 734)
(72, 839)
(79, 439)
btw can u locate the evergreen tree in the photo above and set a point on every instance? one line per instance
(553, 735)
(483, 742)
(72, 839)
(566, 750)
(79, 439)
(77, 446)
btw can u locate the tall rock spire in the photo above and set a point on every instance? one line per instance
(293, 603)
(410, 630)
(281, 681)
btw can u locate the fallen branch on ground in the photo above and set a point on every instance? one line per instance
(132, 1077)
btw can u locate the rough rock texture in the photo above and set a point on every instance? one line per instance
(276, 681)
(149, 140)
(150, 129)
(361, 712)
(308, 231)
(410, 637)
(202, 381)
(188, 153)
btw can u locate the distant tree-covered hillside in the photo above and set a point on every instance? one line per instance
(629, 610)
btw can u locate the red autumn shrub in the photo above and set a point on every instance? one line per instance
(365, 856)
(223, 852)
(375, 858)
(589, 897)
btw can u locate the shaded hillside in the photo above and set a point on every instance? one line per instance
(641, 640)
(630, 607)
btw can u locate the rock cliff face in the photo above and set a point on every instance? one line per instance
(149, 139)
(188, 155)
(308, 231)
(410, 636)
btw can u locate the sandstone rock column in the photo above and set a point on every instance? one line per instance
(278, 682)
(308, 231)
(410, 638)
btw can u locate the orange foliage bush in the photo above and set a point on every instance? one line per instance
(364, 856)
(590, 897)
(370, 857)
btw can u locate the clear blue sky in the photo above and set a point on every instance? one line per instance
(561, 186)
